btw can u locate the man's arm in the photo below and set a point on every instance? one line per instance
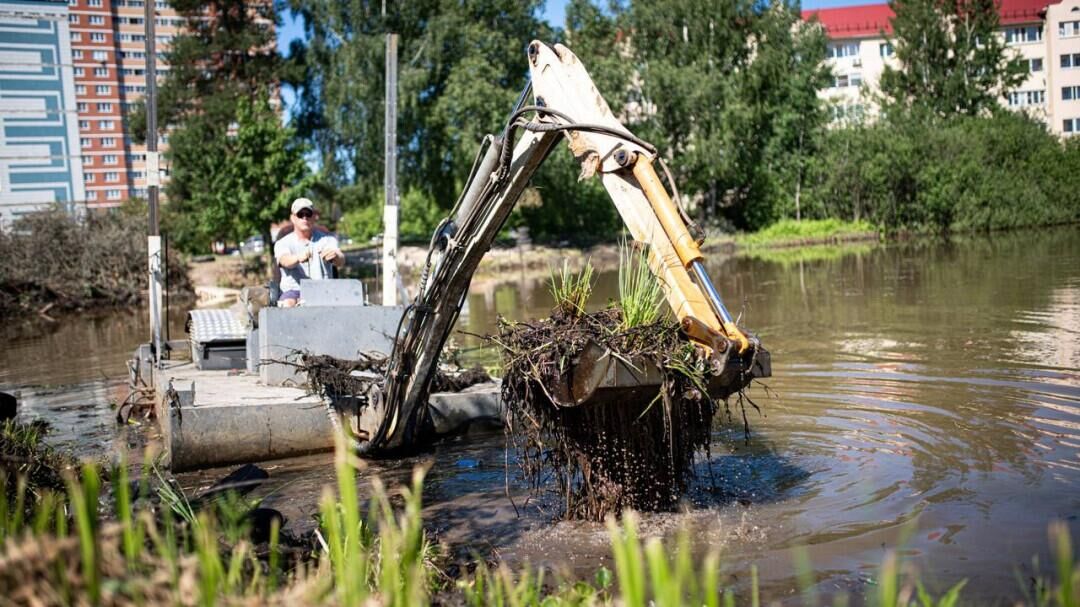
(286, 259)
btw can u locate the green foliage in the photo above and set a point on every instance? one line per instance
(418, 216)
(461, 67)
(571, 290)
(734, 88)
(226, 52)
(954, 61)
(789, 232)
(378, 557)
(641, 297)
(230, 185)
(959, 173)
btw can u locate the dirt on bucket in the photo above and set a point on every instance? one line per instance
(607, 457)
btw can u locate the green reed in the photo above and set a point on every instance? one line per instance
(571, 290)
(641, 296)
(376, 552)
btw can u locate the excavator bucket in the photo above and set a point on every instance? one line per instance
(597, 376)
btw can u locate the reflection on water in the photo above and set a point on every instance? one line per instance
(924, 393)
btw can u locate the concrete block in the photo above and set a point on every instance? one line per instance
(339, 331)
(338, 292)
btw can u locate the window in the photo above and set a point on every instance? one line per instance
(846, 49)
(91, 195)
(846, 80)
(84, 125)
(79, 72)
(886, 49)
(76, 37)
(1069, 61)
(112, 176)
(88, 161)
(82, 107)
(113, 194)
(76, 54)
(1022, 34)
(97, 37)
(1026, 98)
(101, 72)
(73, 19)
(1036, 65)
(138, 174)
(97, 20)
(73, 2)
(106, 125)
(80, 89)
(100, 55)
(1071, 125)
(103, 89)
(88, 177)
(1068, 29)
(108, 142)
(94, 3)
(1070, 93)
(134, 72)
(86, 142)
(135, 20)
(132, 88)
(109, 159)
(104, 108)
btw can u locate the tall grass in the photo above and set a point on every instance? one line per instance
(787, 232)
(641, 296)
(370, 554)
(571, 290)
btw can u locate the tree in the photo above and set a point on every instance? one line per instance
(727, 90)
(952, 59)
(462, 65)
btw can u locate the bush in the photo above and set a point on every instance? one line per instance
(964, 173)
(53, 259)
(417, 218)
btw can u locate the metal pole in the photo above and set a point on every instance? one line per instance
(154, 244)
(390, 207)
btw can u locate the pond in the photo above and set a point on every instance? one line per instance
(926, 397)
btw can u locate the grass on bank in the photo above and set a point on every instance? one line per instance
(788, 232)
(376, 553)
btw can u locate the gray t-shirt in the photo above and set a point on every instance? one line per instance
(315, 268)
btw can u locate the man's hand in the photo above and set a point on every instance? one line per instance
(302, 257)
(334, 256)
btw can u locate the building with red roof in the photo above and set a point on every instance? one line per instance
(1045, 35)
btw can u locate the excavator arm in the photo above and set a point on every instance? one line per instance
(566, 104)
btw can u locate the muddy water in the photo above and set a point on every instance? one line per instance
(926, 398)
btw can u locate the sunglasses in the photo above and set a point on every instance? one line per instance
(305, 214)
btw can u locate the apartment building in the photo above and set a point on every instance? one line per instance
(39, 139)
(1045, 36)
(108, 52)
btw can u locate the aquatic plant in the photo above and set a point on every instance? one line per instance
(378, 555)
(571, 290)
(641, 296)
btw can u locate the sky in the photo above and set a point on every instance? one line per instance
(554, 13)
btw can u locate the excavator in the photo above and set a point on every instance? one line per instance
(565, 105)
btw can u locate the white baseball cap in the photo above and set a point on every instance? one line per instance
(302, 203)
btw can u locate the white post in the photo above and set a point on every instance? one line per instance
(390, 208)
(156, 267)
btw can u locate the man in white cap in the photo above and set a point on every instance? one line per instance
(304, 253)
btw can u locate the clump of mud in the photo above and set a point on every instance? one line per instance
(608, 457)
